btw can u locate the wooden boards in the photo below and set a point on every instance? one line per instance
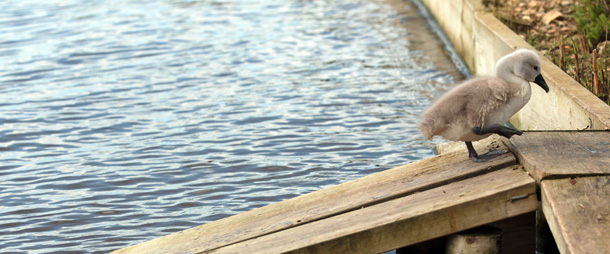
(418, 217)
(337, 200)
(563, 154)
(578, 213)
(491, 143)
(572, 169)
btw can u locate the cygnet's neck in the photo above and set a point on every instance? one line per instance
(504, 70)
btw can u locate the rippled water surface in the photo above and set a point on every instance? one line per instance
(122, 121)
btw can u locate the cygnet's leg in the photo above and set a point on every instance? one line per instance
(494, 128)
(498, 129)
(480, 158)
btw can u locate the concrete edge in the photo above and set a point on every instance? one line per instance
(481, 39)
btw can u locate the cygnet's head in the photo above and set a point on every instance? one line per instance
(523, 63)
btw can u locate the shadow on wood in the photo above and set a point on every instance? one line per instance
(484, 240)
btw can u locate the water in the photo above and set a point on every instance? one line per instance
(122, 121)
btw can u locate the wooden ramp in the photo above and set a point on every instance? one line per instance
(384, 211)
(573, 169)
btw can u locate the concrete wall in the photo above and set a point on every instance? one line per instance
(482, 39)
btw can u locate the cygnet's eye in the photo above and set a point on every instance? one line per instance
(536, 68)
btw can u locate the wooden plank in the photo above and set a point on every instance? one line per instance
(493, 142)
(563, 154)
(578, 213)
(366, 191)
(418, 217)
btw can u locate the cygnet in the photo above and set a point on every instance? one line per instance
(482, 106)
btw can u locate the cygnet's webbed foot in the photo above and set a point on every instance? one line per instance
(498, 129)
(483, 157)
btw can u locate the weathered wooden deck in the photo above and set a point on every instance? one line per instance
(428, 199)
(573, 172)
(384, 211)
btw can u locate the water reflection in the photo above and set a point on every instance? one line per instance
(127, 120)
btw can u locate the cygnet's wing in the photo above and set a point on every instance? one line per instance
(486, 96)
(468, 104)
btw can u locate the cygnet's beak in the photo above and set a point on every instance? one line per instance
(540, 81)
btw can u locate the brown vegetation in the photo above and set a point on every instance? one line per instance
(572, 33)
